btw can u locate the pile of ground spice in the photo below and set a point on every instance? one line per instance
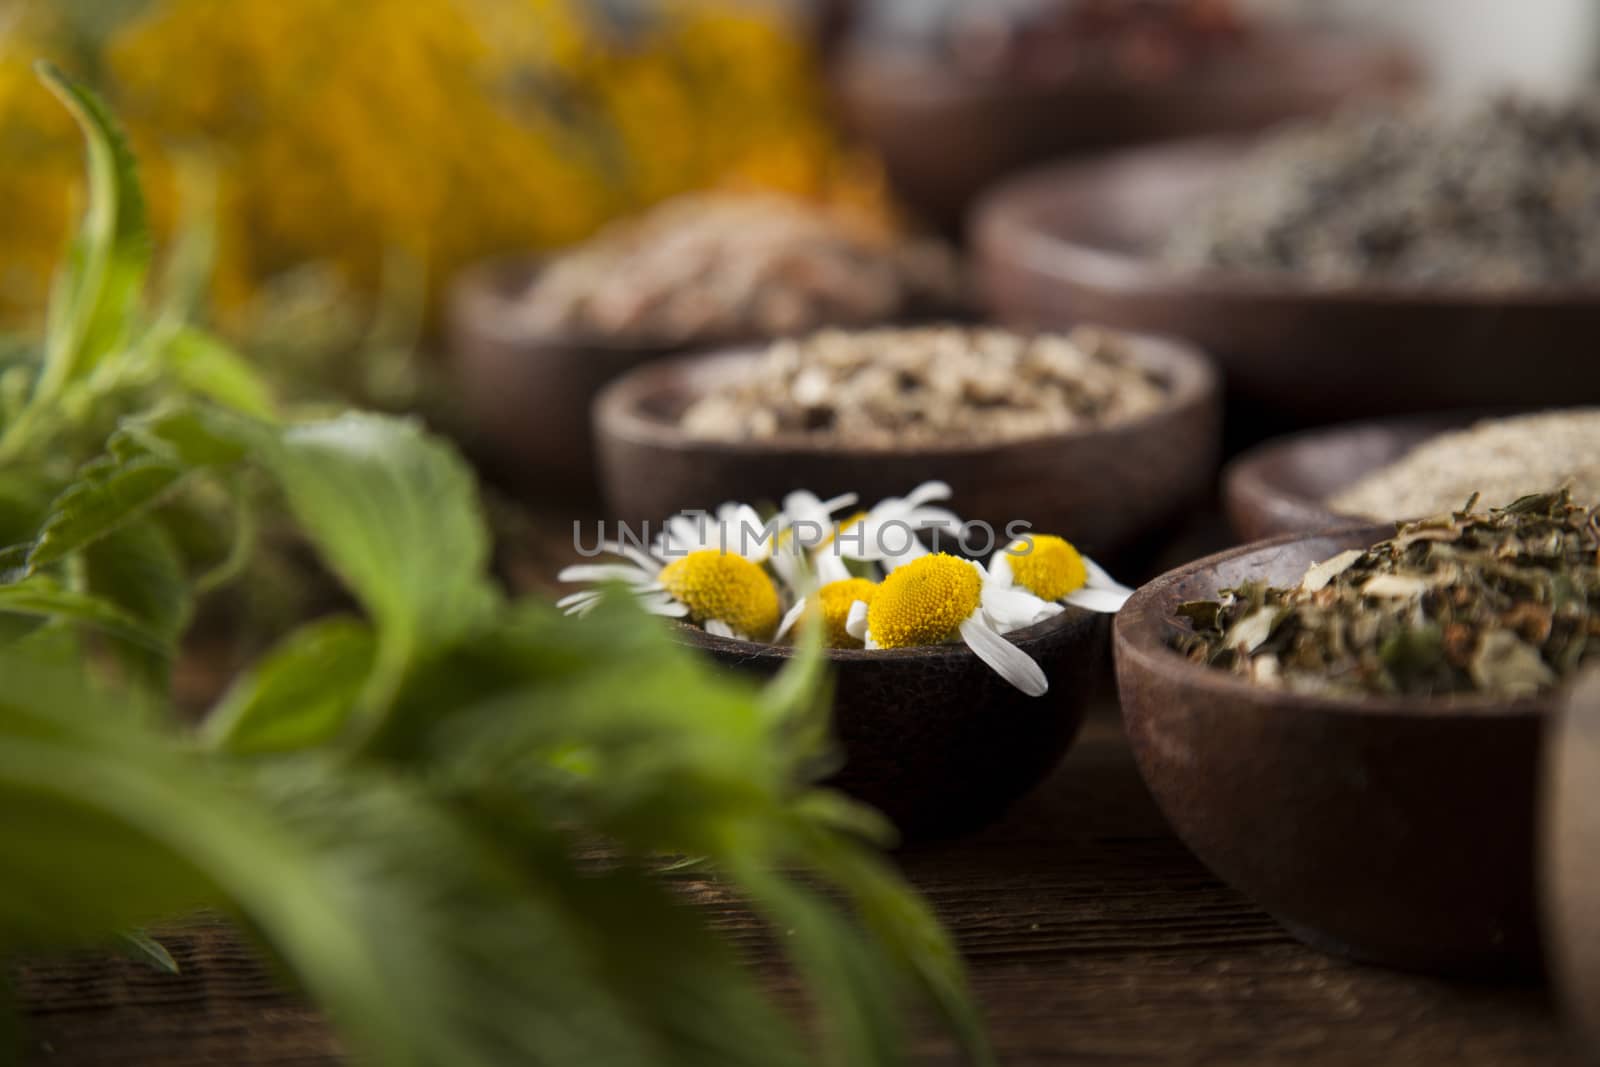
(928, 386)
(1503, 197)
(1499, 460)
(715, 267)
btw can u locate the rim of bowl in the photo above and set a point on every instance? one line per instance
(1009, 216)
(1024, 637)
(1247, 473)
(481, 302)
(1143, 627)
(1333, 61)
(619, 408)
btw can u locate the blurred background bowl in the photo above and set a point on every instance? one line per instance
(1393, 831)
(1076, 243)
(1104, 488)
(911, 109)
(1282, 486)
(525, 395)
(933, 737)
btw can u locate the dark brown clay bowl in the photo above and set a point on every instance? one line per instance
(1572, 857)
(1392, 831)
(525, 395)
(1281, 486)
(1101, 488)
(935, 739)
(1076, 243)
(912, 109)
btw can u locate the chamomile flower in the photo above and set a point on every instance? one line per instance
(887, 533)
(939, 598)
(807, 524)
(729, 595)
(1052, 569)
(733, 528)
(832, 601)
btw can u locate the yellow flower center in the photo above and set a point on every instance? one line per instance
(715, 585)
(1049, 570)
(836, 598)
(924, 602)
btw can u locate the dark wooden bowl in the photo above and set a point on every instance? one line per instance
(1393, 831)
(911, 109)
(1572, 857)
(526, 396)
(1280, 487)
(1101, 488)
(1076, 243)
(933, 737)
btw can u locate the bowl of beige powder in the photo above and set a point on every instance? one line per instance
(1402, 469)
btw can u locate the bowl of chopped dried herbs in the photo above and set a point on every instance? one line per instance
(1346, 726)
(1109, 436)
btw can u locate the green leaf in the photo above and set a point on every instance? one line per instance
(141, 947)
(205, 365)
(147, 458)
(137, 570)
(395, 514)
(40, 597)
(300, 695)
(94, 306)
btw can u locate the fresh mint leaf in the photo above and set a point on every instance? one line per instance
(208, 367)
(96, 301)
(395, 514)
(300, 695)
(41, 597)
(146, 460)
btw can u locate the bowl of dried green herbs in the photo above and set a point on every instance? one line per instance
(1346, 726)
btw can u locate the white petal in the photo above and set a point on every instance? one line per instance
(1012, 609)
(718, 628)
(830, 567)
(915, 552)
(790, 617)
(927, 491)
(1008, 661)
(662, 604)
(604, 572)
(638, 555)
(1100, 579)
(934, 518)
(855, 624)
(838, 503)
(579, 598)
(1000, 572)
(1091, 598)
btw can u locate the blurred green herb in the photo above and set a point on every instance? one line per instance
(406, 804)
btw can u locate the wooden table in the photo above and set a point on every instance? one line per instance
(1092, 937)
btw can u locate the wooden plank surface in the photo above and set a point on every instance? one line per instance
(1092, 937)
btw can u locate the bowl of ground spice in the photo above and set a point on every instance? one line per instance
(1380, 263)
(1347, 726)
(534, 338)
(1108, 436)
(1018, 83)
(1389, 470)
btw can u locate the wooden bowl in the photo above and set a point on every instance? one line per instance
(1076, 243)
(527, 395)
(911, 109)
(1392, 831)
(1101, 488)
(1572, 856)
(933, 737)
(1281, 487)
